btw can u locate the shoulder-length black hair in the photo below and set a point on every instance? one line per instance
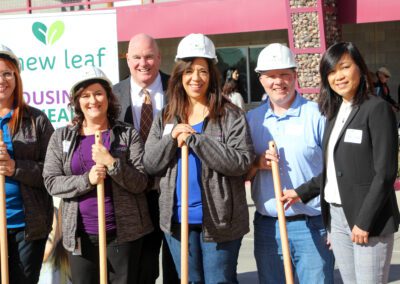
(230, 86)
(113, 105)
(178, 102)
(329, 101)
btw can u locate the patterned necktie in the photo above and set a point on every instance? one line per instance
(146, 117)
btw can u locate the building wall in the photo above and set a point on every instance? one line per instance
(380, 45)
(168, 46)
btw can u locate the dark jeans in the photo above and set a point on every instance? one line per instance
(120, 257)
(24, 257)
(148, 267)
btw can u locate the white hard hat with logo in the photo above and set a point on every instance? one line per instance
(196, 45)
(275, 56)
(6, 52)
(89, 73)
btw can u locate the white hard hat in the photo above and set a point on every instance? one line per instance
(89, 73)
(275, 56)
(196, 45)
(6, 52)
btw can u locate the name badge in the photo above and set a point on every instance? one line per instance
(353, 136)
(66, 144)
(168, 129)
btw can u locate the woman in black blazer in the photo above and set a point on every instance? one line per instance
(358, 201)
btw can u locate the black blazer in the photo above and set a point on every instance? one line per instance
(122, 90)
(366, 169)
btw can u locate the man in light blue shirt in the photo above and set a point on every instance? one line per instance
(296, 126)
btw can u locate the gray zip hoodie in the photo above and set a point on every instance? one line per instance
(129, 182)
(226, 152)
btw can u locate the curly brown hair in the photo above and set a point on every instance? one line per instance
(113, 109)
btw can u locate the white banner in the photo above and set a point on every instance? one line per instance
(52, 48)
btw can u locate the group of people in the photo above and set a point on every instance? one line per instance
(337, 160)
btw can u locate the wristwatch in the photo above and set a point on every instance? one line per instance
(112, 166)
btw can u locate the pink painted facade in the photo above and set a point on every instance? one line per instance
(178, 18)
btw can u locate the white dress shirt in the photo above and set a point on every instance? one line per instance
(331, 186)
(137, 99)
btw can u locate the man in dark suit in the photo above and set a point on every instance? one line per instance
(146, 80)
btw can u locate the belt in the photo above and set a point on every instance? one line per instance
(296, 217)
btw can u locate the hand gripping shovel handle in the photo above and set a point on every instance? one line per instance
(281, 217)
(102, 224)
(3, 228)
(185, 217)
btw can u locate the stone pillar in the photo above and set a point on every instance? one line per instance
(312, 27)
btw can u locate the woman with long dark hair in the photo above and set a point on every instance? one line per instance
(231, 87)
(221, 153)
(358, 201)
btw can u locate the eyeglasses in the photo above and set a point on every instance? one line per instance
(7, 75)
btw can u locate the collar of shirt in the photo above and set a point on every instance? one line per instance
(294, 109)
(153, 88)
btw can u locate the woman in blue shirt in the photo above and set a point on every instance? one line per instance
(221, 153)
(26, 133)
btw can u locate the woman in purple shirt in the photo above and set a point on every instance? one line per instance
(75, 165)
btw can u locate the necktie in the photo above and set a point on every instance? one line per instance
(146, 117)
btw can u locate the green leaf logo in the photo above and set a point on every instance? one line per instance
(48, 36)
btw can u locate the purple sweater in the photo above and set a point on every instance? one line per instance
(81, 163)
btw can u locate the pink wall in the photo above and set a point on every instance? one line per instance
(179, 18)
(368, 11)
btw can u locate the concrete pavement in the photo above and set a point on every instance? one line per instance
(247, 270)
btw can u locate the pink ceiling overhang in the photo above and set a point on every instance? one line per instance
(179, 18)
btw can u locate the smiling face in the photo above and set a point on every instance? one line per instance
(280, 86)
(344, 79)
(7, 84)
(93, 102)
(196, 79)
(143, 59)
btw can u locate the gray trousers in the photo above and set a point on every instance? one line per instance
(361, 264)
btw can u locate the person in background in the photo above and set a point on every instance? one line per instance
(74, 166)
(382, 89)
(55, 268)
(146, 80)
(360, 146)
(231, 87)
(26, 134)
(296, 126)
(221, 152)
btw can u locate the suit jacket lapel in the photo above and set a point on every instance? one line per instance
(327, 132)
(126, 101)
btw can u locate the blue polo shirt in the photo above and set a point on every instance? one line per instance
(195, 204)
(14, 204)
(298, 137)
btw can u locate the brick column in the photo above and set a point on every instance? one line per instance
(312, 27)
